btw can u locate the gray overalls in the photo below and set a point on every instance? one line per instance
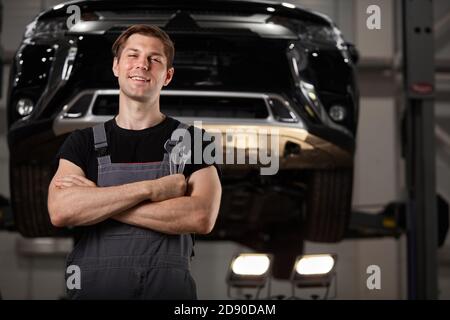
(120, 261)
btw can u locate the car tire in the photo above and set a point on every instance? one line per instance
(328, 206)
(29, 201)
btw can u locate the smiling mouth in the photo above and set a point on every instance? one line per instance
(138, 78)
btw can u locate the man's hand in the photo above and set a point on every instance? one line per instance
(195, 212)
(73, 180)
(171, 186)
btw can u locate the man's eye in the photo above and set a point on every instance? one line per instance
(132, 55)
(155, 60)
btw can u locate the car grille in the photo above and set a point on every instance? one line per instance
(189, 104)
(194, 106)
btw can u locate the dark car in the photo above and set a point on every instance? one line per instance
(238, 64)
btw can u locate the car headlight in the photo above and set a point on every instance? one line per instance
(323, 34)
(45, 27)
(327, 35)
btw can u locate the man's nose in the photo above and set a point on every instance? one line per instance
(143, 64)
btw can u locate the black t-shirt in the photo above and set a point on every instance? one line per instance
(126, 146)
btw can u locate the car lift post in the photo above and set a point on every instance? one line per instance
(418, 67)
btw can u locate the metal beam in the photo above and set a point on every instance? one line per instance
(442, 32)
(419, 88)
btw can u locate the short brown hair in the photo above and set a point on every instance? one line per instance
(147, 30)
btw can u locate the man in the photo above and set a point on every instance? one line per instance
(114, 183)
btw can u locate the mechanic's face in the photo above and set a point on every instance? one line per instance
(142, 68)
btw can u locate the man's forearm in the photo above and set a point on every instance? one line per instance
(80, 205)
(174, 216)
(194, 213)
(74, 200)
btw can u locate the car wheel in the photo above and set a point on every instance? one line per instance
(328, 207)
(29, 200)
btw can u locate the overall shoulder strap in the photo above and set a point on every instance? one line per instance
(101, 144)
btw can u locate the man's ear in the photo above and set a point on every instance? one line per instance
(115, 67)
(169, 76)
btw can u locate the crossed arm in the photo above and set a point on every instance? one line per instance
(169, 204)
